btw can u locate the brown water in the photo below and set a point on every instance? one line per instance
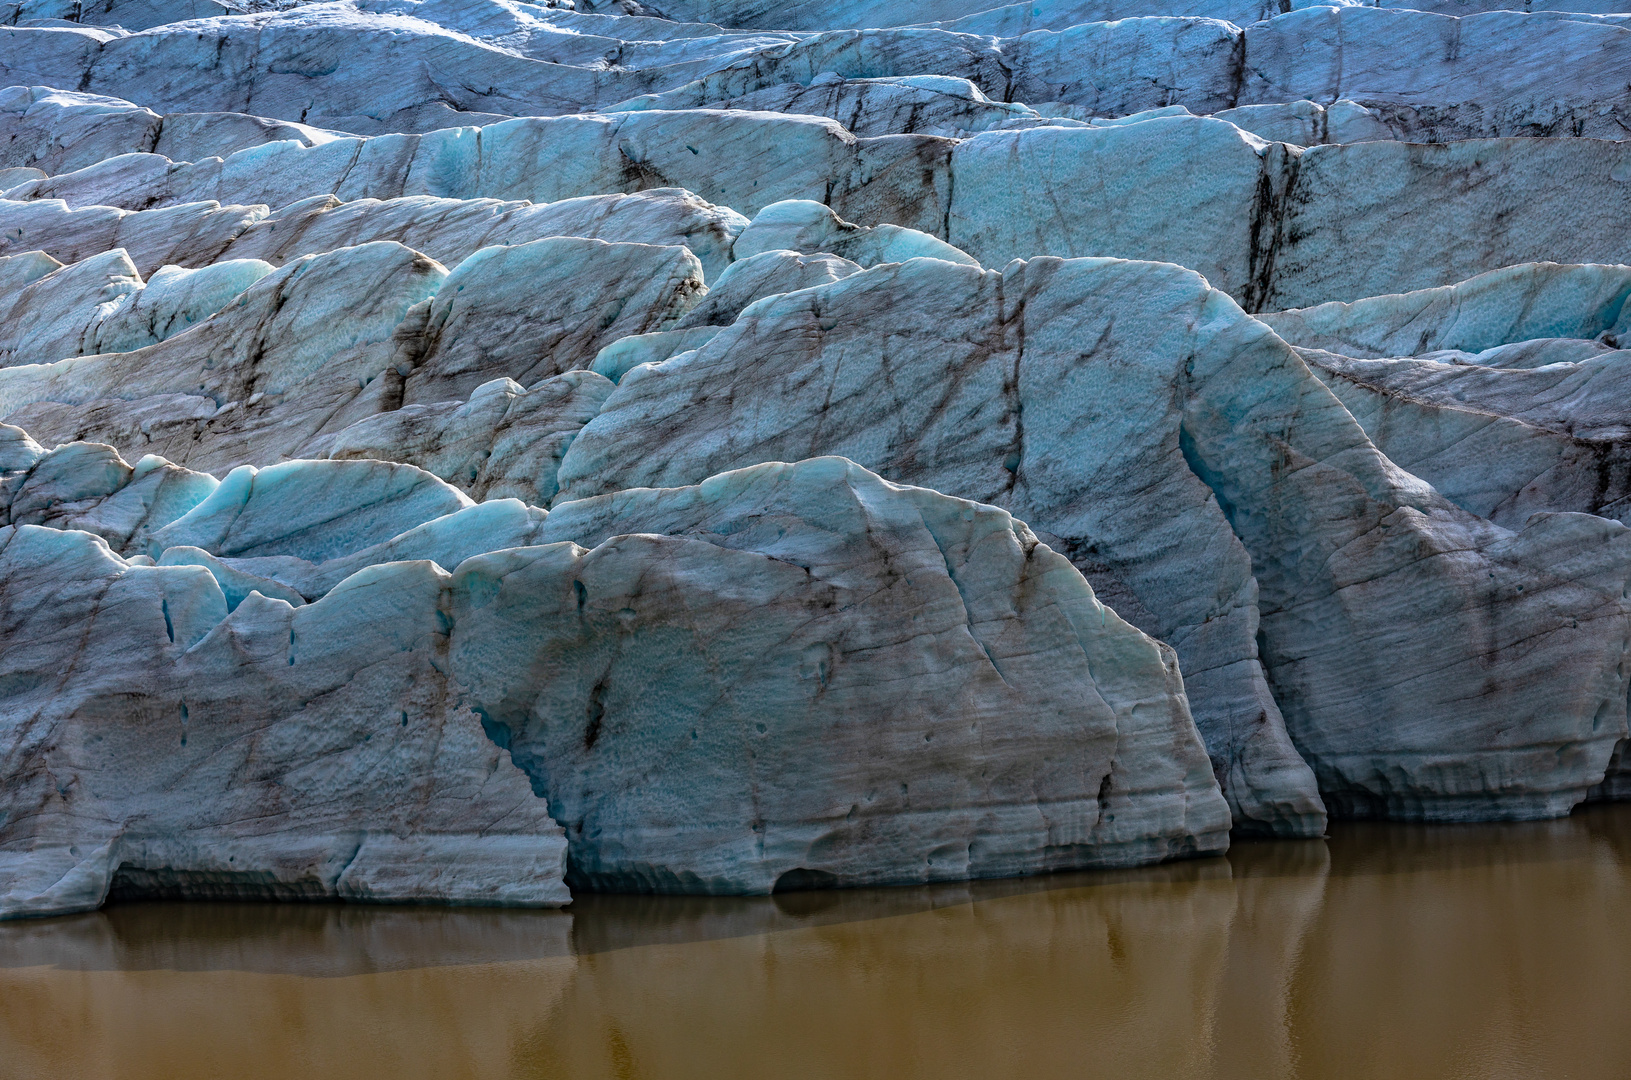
(1385, 952)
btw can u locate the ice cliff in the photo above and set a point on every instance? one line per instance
(469, 450)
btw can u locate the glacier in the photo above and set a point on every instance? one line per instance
(478, 451)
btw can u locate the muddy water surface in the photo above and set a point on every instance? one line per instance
(1385, 952)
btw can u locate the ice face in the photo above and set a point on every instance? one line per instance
(750, 444)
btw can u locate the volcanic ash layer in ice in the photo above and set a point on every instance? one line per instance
(435, 436)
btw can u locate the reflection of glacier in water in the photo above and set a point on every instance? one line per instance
(1387, 951)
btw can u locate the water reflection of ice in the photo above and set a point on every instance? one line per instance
(1387, 951)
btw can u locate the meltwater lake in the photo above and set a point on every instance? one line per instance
(1384, 951)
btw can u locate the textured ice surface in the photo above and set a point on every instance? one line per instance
(459, 382)
(265, 752)
(862, 684)
(1146, 424)
(1273, 224)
